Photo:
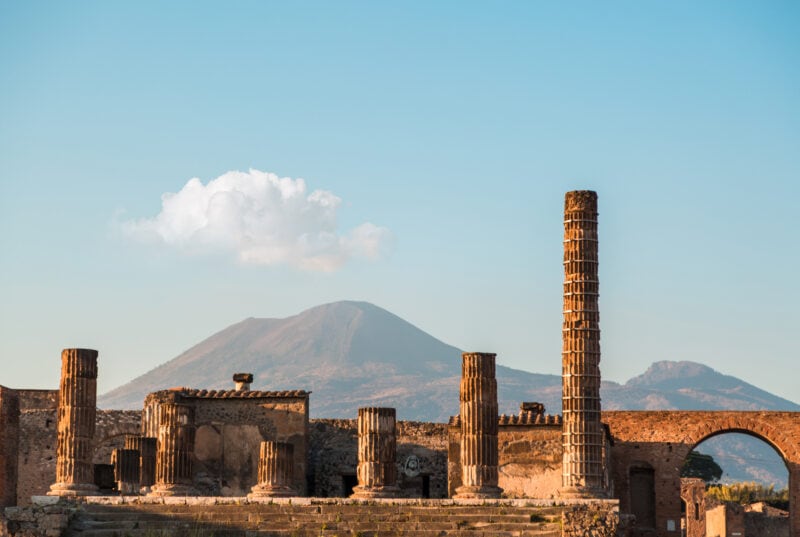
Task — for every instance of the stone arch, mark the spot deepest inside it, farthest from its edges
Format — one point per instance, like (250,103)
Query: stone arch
(721,423)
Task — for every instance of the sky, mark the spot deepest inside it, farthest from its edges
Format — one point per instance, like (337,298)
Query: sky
(169,169)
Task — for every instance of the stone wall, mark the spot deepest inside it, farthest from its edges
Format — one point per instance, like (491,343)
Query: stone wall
(529,456)
(37,454)
(421,458)
(36,463)
(230,427)
(37,399)
(9,445)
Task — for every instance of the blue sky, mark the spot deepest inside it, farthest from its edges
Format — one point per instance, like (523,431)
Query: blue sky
(452,128)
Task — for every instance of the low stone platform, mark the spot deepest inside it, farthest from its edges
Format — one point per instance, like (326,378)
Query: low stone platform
(131,516)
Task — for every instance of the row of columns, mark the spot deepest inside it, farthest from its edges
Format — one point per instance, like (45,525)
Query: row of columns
(163,466)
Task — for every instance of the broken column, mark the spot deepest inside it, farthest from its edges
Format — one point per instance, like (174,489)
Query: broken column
(275,470)
(478,410)
(146,446)
(175,450)
(126,470)
(377,453)
(582,468)
(77,399)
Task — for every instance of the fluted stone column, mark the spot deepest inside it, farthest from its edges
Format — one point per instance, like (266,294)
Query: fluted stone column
(126,470)
(175,450)
(478,409)
(377,453)
(77,400)
(275,470)
(146,446)
(582,469)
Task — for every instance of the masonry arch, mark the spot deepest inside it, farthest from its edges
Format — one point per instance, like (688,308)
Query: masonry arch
(664,439)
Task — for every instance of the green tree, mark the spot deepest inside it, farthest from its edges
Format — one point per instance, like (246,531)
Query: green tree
(702,466)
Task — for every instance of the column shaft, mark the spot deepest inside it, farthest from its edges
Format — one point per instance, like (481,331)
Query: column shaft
(77,400)
(582,470)
(377,453)
(175,450)
(146,446)
(275,470)
(478,413)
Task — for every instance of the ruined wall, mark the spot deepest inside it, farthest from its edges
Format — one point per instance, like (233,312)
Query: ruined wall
(693,494)
(37,454)
(765,521)
(230,427)
(661,440)
(725,520)
(530,456)
(37,399)
(421,458)
(9,444)
(111,428)
(36,464)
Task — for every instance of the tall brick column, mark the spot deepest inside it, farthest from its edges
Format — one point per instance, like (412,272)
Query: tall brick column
(275,470)
(126,470)
(377,453)
(77,400)
(478,396)
(582,466)
(146,446)
(175,450)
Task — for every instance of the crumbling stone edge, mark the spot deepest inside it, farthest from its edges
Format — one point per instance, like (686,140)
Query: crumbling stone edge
(47,518)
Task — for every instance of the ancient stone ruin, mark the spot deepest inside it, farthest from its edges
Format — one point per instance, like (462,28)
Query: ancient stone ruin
(478,412)
(76,421)
(377,454)
(257,458)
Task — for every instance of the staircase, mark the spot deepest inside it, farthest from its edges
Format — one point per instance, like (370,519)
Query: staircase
(305,517)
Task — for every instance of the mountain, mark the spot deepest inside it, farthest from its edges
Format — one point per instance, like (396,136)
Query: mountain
(671,385)
(352,354)
(349,354)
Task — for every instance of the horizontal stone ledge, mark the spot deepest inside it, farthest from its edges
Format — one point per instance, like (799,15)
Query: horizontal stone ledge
(307,501)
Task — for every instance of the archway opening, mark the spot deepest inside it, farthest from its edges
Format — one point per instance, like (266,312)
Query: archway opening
(734,482)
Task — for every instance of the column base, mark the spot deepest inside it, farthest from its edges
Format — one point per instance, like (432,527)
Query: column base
(73,489)
(172,489)
(582,493)
(367,493)
(481,493)
(272,491)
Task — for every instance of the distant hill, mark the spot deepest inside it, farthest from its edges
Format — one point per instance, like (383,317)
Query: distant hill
(352,354)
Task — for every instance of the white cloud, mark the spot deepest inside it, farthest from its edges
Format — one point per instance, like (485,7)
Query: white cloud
(262,219)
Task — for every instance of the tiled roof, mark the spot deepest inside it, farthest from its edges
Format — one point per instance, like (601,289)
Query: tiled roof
(241,394)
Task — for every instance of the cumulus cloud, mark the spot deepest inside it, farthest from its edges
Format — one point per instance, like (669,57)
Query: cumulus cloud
(262,219)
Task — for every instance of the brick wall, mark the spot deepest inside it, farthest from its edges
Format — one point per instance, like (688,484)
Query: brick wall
(421,450)
(9,442)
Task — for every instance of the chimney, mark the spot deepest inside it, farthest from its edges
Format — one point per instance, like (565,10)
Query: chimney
(243,381)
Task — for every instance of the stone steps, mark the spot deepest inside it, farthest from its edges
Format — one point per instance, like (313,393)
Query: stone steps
(343,519)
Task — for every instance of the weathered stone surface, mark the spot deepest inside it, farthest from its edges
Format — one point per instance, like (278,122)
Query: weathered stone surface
(146,446)
(126,470)
(478,420)
(377,453)
(230,428)
(174,451)
(582,465)
(77,405)
(275,470)
(9,445)
(597,520)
